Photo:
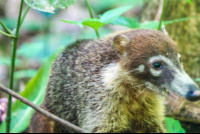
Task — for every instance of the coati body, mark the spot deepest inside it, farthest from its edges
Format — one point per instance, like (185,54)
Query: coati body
(115,84)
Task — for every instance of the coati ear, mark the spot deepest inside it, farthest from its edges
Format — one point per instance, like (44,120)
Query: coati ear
(120,43)
(164,30)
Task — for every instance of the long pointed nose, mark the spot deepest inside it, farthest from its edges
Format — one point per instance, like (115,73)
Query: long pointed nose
(194,93)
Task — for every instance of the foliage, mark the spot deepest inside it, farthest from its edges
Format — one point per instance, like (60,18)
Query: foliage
(124,21)
(34,92)
(113,17)
(173,126)
(49,5)
(189,1)
(6,61)
(42,46)
(155,24)
(197,79)
(25,74)
(105,18)
(112,3)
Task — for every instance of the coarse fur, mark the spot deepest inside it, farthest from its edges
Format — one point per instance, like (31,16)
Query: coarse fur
(102,87)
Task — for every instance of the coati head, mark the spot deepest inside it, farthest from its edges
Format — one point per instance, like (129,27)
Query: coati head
(152,57)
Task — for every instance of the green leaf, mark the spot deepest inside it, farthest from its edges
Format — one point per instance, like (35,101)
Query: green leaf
(25,74)
(155,24)
(113,3)
(110,15)
(197,79)
(62,4)
(149,25)
(28,25)
(123,21)
(24,49)
(176,20)
(189,1)
(79,23)
(173,126)
(49,5)
(34,92)
(94,23)
(6,61)
(90,22)
(106,18)
(42,46)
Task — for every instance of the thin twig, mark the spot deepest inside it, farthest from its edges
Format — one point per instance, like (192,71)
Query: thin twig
(9,35)
(5,28)
(89,9)
(26,11)
(162,16)
(42,111)
(14,47)
(91,16)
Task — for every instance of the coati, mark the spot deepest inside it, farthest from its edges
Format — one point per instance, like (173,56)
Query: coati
(115,84)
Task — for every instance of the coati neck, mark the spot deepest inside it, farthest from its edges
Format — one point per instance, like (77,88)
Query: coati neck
(129,101)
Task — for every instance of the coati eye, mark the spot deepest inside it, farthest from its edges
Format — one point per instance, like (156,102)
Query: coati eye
(157,65)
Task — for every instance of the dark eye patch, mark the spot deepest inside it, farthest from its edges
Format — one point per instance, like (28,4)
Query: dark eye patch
(167,76)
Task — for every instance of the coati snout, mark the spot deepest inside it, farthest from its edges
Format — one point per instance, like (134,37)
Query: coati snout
(154,59)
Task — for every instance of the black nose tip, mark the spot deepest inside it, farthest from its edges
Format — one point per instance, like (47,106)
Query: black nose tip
(193,94)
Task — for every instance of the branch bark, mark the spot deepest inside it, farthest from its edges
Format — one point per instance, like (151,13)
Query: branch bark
(42,111)
(190,112)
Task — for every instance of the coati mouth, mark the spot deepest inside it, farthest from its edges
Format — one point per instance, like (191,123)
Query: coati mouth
(170,94)
(173,102)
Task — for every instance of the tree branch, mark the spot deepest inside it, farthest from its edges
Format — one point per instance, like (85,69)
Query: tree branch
(24,15)
(42,111)
(190,112)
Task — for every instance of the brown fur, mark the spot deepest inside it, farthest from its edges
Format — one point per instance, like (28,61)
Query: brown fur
(41,124)
(93,84)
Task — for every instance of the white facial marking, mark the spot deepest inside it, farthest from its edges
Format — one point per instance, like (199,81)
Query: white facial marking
(110,73)
(113,75)
(155,73)
(140,68)
(161,58)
